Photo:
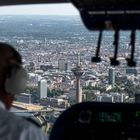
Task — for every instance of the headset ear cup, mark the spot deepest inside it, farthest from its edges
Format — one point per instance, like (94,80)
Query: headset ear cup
(17,81)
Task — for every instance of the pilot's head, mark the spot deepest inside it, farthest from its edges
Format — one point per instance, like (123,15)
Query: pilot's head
(12,76)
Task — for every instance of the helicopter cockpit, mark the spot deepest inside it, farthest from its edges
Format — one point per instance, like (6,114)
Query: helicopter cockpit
(95,120)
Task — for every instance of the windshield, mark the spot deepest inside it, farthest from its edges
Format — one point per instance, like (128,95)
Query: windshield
(57,50)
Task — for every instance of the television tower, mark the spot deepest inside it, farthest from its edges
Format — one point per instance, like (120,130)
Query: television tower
(78,72)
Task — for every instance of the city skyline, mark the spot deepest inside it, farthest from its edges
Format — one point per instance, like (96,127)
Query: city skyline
(45,40)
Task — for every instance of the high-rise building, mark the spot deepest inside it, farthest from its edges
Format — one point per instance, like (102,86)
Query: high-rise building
(111,76)
(131,71)
(42,88)
(63,65)
(78,72)
(67,66)
(137,98)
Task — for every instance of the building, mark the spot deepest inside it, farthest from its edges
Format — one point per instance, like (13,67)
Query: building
(112,97)
(111,76)
(42,88)
(63,65)
(72,95)
(118,98)
(107,98)
(24,97)
(54,102)
(131,71)
(99,98)
(137,98)
(30,67)
(45,67)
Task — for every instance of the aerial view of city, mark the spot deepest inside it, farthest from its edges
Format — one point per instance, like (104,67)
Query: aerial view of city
(57,52)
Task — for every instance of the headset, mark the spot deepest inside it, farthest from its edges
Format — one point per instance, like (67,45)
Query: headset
(16,80)
(15,76)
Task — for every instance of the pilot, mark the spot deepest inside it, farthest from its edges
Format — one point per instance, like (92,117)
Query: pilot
(13,79)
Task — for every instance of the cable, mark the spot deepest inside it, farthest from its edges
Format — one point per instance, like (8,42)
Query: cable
(97,58)
(130,61)
(114,60)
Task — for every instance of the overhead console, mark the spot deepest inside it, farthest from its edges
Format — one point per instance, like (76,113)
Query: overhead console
(109,14)
(100,15)
(96,121)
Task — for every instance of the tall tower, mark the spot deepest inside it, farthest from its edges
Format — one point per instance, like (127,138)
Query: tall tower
(111,77)
(78,71)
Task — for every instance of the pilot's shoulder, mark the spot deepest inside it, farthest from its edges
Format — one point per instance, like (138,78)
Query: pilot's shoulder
(22,122)
(32,121)
(27,125)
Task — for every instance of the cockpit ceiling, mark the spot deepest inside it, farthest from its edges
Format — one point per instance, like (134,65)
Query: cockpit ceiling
(19,2)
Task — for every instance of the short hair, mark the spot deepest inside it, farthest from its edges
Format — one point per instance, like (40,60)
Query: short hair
(8,52)
(15,53)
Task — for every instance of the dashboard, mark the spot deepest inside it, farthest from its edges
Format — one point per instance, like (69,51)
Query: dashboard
(95,121)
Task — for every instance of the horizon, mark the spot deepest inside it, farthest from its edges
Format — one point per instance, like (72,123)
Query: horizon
(40,15)
(40,9)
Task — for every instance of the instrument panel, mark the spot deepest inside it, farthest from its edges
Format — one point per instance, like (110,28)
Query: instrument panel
(95,121)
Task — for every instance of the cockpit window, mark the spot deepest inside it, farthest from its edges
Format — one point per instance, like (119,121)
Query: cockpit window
(57,50)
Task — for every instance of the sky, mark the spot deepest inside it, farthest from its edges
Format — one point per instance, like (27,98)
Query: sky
(40,9)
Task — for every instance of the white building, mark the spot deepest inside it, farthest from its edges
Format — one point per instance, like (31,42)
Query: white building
(42,88)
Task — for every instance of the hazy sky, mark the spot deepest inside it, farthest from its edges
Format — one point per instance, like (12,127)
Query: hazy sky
(42,9)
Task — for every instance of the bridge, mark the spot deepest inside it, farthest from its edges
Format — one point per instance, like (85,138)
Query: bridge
(24,106)
(31,108)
